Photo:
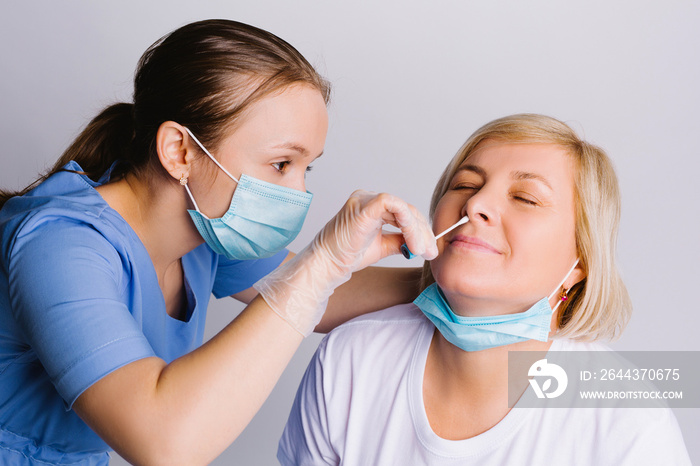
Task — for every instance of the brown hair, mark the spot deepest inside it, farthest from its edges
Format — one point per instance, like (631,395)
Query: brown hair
(204,76)
(598,306)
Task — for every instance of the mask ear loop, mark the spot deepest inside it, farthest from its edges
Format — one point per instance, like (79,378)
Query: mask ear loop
(183,179)
(201,146)
(559,286)
(183,182)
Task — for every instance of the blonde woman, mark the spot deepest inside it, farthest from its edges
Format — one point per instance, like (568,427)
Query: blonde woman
(427,383)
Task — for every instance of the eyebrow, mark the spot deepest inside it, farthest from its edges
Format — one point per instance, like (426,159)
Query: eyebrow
(472,168)
(517,175)
(531,176)
(296,148)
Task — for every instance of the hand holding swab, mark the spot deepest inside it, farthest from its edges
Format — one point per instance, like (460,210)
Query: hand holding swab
(409,255)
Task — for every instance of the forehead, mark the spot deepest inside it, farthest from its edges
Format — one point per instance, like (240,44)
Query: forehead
(294,118)
(495,157)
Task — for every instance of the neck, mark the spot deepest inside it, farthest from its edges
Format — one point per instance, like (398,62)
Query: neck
(492,306)
(466,393)
(475,374)
(157,212)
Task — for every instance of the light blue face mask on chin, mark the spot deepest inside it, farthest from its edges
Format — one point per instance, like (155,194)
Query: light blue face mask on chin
(480,333)
(262,219)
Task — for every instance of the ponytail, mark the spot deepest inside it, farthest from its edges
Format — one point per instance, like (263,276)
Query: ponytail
(106,139)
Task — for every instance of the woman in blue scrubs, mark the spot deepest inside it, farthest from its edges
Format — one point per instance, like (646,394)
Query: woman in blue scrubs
(108,262)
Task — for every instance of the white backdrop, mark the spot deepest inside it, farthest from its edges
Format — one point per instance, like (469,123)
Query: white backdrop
(411,81)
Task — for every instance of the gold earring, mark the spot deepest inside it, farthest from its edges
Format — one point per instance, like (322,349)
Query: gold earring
(183,180)
(563,296)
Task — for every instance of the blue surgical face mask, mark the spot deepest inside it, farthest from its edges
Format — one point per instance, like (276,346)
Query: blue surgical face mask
(262,219)
(480,333)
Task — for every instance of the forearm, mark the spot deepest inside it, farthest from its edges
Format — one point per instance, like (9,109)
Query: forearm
(189,411)
(369,290)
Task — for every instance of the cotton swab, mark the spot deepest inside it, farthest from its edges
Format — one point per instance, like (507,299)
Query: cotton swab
(409,255)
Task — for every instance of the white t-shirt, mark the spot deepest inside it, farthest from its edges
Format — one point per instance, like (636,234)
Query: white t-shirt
(360,403)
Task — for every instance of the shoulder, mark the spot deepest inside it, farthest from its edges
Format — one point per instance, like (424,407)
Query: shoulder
(645,430)
(64,190)
(58,240)
(403,319)
(382,336)
(64,209)
(65,231)
(621,436)
(639,436)
(63,201)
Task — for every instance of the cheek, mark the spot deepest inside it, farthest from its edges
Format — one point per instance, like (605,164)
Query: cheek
(223,191)
(531,236)
(542,245)
(439,271)
(440,267)
(440,224)
(447,212)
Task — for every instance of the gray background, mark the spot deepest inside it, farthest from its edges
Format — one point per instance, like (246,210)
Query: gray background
(411,81)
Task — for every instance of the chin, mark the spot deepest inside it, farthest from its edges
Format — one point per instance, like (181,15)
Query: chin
(460,284)
(460,277)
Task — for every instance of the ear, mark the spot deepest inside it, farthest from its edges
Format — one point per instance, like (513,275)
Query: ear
(173,151)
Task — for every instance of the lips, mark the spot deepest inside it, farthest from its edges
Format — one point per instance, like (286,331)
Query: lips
(473,243)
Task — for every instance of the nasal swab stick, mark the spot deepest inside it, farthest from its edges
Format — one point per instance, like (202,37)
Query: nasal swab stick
(461,221)
(409,255)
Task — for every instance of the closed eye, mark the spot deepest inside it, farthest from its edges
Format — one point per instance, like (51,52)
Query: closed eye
(462,187)
(525,200)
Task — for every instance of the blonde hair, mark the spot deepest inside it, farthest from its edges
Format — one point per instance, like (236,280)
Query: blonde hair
(599,306)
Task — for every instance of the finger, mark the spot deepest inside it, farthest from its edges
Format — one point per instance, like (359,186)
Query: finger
(361,197)
(416,231)
(391,244)
(391,210)
(418,235)
(380,209)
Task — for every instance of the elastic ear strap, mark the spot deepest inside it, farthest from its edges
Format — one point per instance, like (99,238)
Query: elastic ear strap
(562,282)
(210,156)
(189,193)
(556,306)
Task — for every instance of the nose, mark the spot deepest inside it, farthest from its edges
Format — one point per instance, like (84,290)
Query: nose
(301,185)
(481,207)
(298,183)
(293,180)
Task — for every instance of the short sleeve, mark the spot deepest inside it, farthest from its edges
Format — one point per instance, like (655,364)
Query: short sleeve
(233,276)
(66,290)
(306,438)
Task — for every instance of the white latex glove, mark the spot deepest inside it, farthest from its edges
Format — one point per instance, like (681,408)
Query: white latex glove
(298,290)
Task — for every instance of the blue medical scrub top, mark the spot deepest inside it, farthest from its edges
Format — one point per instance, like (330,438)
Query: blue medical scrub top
(79,298)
